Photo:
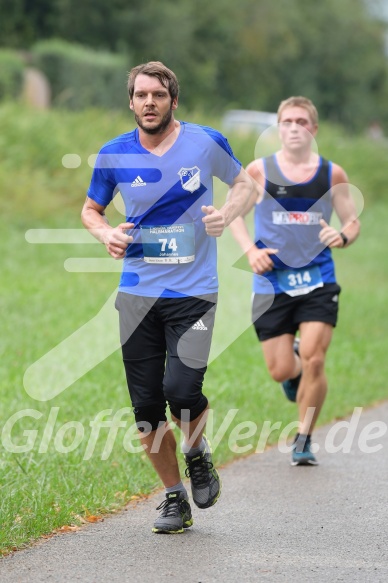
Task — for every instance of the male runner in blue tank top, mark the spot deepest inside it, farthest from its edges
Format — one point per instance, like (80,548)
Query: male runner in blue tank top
(167,296)
(294,286)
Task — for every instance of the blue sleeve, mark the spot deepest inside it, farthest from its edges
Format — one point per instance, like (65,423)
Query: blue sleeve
(225,165)
(102,184)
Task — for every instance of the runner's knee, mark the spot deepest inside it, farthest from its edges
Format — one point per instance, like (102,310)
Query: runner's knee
(182,390)
(178,408)
(150,417)
(314,365)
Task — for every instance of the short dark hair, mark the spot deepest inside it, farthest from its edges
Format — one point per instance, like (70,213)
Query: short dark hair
(154,69)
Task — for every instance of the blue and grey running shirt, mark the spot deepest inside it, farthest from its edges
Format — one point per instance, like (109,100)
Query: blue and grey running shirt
(287,219)
(171,254)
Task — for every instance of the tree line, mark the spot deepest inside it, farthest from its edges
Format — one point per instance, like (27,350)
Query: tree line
(250,54)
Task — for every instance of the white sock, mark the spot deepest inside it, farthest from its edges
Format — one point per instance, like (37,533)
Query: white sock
(177,488)
(192,451)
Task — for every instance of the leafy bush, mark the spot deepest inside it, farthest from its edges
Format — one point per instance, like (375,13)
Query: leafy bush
(81,77)
(11,74)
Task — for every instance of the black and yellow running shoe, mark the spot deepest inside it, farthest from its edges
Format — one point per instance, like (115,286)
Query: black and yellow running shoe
(204,478)
(175,514)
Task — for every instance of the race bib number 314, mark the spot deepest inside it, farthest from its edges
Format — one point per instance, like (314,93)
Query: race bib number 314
(297,282)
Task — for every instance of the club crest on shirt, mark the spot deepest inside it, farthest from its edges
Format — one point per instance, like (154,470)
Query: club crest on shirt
(190,178)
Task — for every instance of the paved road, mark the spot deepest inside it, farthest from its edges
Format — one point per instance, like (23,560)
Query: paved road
(273,523)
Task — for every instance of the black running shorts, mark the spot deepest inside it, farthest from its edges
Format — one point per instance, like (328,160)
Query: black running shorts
(165,346)
(286,312)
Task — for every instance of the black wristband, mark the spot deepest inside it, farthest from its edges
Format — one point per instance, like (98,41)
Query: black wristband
(344,239)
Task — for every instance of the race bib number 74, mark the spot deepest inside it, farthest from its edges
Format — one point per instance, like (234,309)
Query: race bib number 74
(168,243)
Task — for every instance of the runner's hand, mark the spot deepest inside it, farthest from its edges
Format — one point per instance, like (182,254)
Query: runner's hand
(260,260)
(329,236)
(214,221)
(116,240)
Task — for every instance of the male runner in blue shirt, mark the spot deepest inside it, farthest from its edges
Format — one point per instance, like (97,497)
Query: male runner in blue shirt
(168,290)
(294,283)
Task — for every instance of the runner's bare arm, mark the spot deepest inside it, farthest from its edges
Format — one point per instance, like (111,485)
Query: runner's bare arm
(344,207)
(115,239)
(259,259)
(238,195)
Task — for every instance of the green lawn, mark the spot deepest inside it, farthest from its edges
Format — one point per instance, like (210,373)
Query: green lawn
(55,467)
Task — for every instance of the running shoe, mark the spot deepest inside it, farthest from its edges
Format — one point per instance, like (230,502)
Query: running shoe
(175,514)
(290,387)
(301,452)
(204,478)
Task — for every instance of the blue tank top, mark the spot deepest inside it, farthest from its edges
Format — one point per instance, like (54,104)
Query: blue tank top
(287,218)
(171,254)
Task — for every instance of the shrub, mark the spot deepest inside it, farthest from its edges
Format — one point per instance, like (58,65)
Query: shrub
(11,74)
(81,77)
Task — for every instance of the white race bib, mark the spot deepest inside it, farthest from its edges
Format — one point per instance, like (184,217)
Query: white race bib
(168,243)
(297,282)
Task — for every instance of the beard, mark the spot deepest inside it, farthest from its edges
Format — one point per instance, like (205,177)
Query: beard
(159,129)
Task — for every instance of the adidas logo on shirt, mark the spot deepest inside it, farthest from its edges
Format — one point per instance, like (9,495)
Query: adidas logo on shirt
(199,326)
(138,182)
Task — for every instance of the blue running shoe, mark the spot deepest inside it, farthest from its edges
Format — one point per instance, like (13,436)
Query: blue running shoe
(301,452)
(290,386)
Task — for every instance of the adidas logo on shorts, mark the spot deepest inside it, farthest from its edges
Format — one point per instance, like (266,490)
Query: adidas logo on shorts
(199,326)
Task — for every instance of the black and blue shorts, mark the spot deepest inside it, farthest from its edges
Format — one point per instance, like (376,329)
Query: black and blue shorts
(286,313)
